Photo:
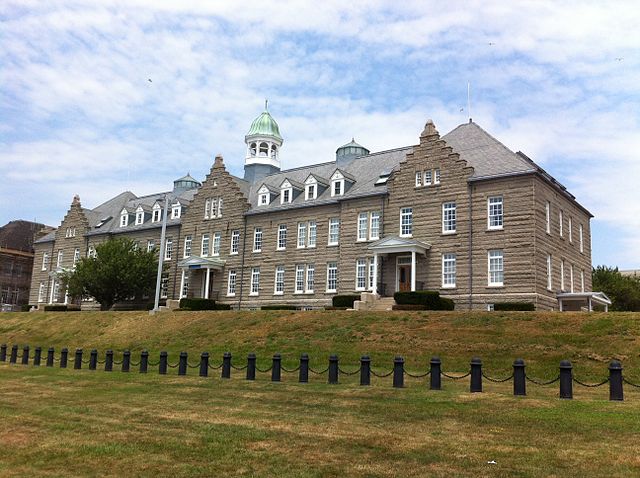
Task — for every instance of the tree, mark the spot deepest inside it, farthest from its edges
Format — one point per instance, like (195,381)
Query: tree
(624,291)
(119,271)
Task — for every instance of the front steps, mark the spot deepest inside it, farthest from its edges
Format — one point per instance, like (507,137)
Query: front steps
(369,301)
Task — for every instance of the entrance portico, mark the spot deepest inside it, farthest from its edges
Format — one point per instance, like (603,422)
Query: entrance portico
(203,264)
(406,266)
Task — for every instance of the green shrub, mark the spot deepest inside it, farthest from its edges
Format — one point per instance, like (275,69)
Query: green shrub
(446,304)
(279,307)
(523,306)
(428,298)
(58,308)
(345,300)
(198,304)
(26,307)
(222,307)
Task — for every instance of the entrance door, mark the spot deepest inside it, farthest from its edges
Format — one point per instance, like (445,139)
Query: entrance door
(404,278)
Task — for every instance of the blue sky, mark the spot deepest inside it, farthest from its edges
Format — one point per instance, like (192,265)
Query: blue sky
(556,80)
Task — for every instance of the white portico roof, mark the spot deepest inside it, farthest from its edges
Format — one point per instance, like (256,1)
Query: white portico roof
(598,297)
(394,244)
(196,262)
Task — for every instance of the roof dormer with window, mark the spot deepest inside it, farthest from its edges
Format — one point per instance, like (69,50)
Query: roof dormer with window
(139,215)
(176,210)
(340,183)
(124,217)
(265,195)
(314,186)
(156,212)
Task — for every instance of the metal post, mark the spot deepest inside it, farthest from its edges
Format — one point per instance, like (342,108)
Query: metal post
(566,380)
(37,357)
(365,370)
(251,367)
(303,377)
(93,360)
(14,354)
(398,372)
(519,381)
(126,360)
(333,369)
(64,355)
(615,381)
(164,358)
(25,355)
(435,376)
(226,365)
(144,361)
(182,368)
(77,364)
(50,354)
(3,353)
(163,234)
(275,371)
(204,364)
(476,375)
(108,361)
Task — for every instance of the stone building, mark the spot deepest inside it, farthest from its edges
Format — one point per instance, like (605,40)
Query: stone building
(461,214)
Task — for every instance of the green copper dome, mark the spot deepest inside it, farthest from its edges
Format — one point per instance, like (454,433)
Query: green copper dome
(265,125)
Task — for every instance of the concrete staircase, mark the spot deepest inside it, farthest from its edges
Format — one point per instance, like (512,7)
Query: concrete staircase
(383,303)
(370,301)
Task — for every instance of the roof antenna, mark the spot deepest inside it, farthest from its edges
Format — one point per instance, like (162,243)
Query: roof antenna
(469,100)
(266,102)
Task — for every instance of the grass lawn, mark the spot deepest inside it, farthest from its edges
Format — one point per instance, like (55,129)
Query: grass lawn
(56,422)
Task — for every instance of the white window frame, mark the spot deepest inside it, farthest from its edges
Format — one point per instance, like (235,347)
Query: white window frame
(91,252)
(45,261)
(207,206)
(374,230)
(299,279)
(219,208)
(334,231)
(188,242)
(332,276)
(337,179)
(139,216)
(581,238)
(257,239)
(427,177)
(312,234)
(76,256)
(164,285)
(263,199)
(562,284)
(571,289)
(363,227)
(156,213)
(561,221)
(310,191)
(493,256)
(151,245)
(205,240)
(60,258)
(217,242)
(549,273)
(495,213)
(436,176)
(449,217)
(361,274)
(406,213)
(570,225)
(310,279)
(281,243)
(449,265)
(582,280)
(176,211)
(286,189)
(255,281)
(235,242)
(168,249)
(302,235)
(278,281)
(41,292)
(231,283)
(124,219)
(547,209)
(418,179)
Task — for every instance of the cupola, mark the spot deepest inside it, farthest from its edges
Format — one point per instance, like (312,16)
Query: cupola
(350,151)
(263,147)
(185,183)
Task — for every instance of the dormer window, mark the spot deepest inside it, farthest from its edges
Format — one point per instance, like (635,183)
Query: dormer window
(338,183)
(286,192)
(176,211)
(124,218)
(139,215)
(156,215)
(310,192)
(264,195)
(264,199)
(286,196)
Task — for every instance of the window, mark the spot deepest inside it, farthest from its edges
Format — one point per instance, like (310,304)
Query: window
(257,239)
(41,290)
(547,209)
(448,270)
(185,284)
(253,149)
(571,278)
(570,229)
(494,212)
(264,199)
(150,245)
(60,257)
(449,217)
(427,178)
(164,285)
(76,256)
(205,245)
(302,234)
(310,191)
(372,272)
(124,219)
(418,179)
(216,244)
(337,184)
(176,210)
(45,261)
(496,268)
(313,233)
(264,149)
(582,280)
(334,231)
(311,278)
(562,275)
(255,281)
(491,307)
(332,276)
(207,206)
(279,281)
(363,223)
(286,193)
(92,251)
(436,176)
(549,276)
(580,237)
(374,228)
(561,221)
(282,237)
(213,208)
(139,217)
(299,279)
(156,214)
(220,207)
(361,274)
(235,241)
(187,246)
(168,249)
(406,222)
(231,283)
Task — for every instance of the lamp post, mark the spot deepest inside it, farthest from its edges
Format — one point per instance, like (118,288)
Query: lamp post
(156,306)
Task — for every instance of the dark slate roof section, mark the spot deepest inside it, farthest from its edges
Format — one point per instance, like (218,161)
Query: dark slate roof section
(488,156)
(19,235)
(244,185)
(365,169)
(48,238)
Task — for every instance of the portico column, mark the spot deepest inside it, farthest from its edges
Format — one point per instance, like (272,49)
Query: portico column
(206,284)
(375,273)
(181,284)
(590,305)
(53,288)
(413,271)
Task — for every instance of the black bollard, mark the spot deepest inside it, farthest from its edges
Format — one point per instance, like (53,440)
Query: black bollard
(275,370)
(204,364)
(365,370)
(162,366)
(398,372)
(303,376)
(251,367)
(93,359)
(108,361)
(3,353)
(519,380)
(64,356)
(476,375)
(615,381)
(435,376)
(25,355)
(144,361)
(182,367)
(226,365)
(37,358)
(566,380)
(333,369)
(50,354)
(77,364)
(126,360)
(14,354)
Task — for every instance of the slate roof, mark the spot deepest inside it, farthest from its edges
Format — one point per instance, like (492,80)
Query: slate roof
(19,235)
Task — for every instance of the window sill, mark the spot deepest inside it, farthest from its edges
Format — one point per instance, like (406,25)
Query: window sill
(449,233)
(254,294)
(446,287)
(278,293)
(278,249)
(407,236)
(331,291)
(233,253)
(495,286)
(328,245)
(231,295)
(298,292)
(309,292)
(491,229)
(256,252)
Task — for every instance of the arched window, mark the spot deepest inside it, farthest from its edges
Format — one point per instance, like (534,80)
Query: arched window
(252,149)
(274,151)
(264,149)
